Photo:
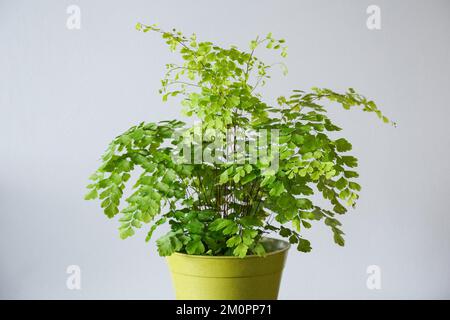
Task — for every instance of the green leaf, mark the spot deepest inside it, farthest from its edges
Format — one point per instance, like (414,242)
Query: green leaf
(332,222)
(219,224)
(339,239)
(231,228)
(233,101)
(341,183)
(340,209)
(111,210)
(304,204)
(285,232)
(344,194)
(126,232)
(293,239)
(153,228)
(304,245)
(350,161)
(248,178)
(125,139)
(194,226)
(241,250)
(351,174)
(91,195)
(248,235)
(169,244)
(259,250)
(306,224)
(195,247)
(234,241)
(296,223)
(250,221)
(268,180)
(223,177)
(342,145)
(354,186)
(277,189)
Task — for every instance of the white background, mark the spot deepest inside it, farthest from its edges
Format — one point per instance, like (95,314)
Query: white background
(64,94)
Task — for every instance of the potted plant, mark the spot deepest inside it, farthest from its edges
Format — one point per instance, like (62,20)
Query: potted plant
(247,170)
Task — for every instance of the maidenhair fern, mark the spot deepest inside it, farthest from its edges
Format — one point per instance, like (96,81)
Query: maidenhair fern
(226,207)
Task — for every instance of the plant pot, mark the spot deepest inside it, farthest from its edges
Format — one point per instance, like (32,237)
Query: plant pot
(228,277)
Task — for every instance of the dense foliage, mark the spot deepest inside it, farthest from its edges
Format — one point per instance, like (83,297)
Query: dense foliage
(226,208)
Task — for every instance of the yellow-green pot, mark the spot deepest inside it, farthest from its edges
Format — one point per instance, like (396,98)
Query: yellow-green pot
(229,278)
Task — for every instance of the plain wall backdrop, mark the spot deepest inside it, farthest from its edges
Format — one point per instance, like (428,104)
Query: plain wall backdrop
(64,94)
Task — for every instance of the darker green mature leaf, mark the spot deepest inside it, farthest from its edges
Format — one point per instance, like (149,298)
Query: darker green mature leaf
(206,215)
(340,209)
(248,178)
(195,247)
(304,204)
(220,224)
(304,245)
(285,232)
(354,186)
(330,126)
(195,226)
(251,221)
(350,161)
(306,224)
(341,183)
(293,239)
(339,239)
(342,145)
(305,190)
(351,174)
(332,222)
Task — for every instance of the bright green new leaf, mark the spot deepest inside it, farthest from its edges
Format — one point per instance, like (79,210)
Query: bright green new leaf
(241,250)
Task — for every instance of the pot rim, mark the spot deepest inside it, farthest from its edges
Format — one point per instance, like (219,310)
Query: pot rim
(198,256)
